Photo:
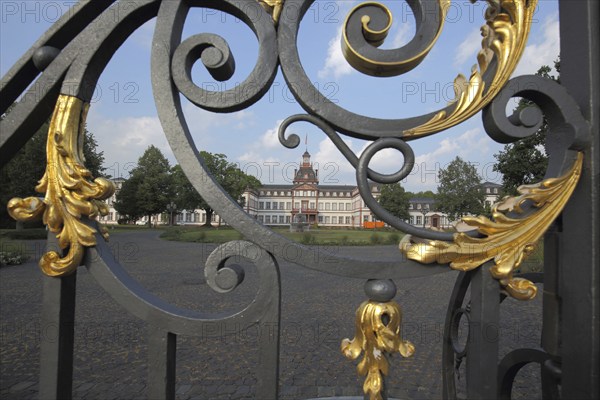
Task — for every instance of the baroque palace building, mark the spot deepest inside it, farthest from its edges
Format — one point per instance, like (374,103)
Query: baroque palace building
(307,201)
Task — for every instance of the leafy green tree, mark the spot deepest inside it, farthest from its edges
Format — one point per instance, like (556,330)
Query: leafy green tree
(395,199)
(426,194)
(227,174)
(19,177)
(459,191)
(126,202)
(525,161)
(149,189)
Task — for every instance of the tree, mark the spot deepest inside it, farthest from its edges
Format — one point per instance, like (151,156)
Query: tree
(19,177)
(394,199)
(525,161)
(126,202)
(459,192)
(227,174)
(149,189)
(426,194)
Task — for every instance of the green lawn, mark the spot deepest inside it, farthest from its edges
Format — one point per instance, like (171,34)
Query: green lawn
(346,237)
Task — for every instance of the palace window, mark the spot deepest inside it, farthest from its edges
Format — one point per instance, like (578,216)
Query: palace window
(261,205)
(334,207)
(327,206)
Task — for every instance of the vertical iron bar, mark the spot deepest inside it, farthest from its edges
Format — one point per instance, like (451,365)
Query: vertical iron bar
(267,387)
(482,347)
(580,257)
(551,296)
(162,347)
(57,336)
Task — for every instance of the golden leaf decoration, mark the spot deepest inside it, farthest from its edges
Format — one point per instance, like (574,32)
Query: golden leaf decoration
(507,239)
(69,194)
(273,7)
(505,33)
(376,338)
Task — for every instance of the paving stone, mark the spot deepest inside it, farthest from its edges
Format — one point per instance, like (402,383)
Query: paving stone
(318,311)
(21,386)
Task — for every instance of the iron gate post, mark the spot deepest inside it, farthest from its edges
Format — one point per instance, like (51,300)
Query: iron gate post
(580,240)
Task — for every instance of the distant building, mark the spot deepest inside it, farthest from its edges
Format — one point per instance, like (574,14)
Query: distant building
(492,193)
(322,205)
(325,205)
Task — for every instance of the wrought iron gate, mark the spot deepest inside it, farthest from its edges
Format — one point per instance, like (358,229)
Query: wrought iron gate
(68,60)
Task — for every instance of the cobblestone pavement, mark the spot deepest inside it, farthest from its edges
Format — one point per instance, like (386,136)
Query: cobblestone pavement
(317,312)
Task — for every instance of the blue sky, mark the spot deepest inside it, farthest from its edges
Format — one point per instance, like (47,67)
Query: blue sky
(124,120)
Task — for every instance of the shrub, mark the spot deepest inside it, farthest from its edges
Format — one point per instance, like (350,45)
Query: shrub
(307,238)
(12,258)
(393,238)
(376,238)
(201,237)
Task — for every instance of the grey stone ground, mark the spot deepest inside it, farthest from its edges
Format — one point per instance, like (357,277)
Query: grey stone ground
(317,312)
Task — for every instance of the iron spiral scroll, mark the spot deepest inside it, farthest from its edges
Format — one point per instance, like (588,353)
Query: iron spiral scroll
(69,59)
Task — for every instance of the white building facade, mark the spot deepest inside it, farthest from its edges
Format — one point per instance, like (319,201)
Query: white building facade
(330,206)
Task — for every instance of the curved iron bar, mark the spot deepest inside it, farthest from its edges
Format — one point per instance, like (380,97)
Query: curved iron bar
(568,131)
(315,103)
(136,299)
(449,357)
(165,317)
(168,33)
(361,164)
(72,69)
(512,363)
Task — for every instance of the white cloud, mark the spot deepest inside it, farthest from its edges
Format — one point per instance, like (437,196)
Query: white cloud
(124,140)
(402,36)
(336,65)
(472,145)
(542,51)
(467,50)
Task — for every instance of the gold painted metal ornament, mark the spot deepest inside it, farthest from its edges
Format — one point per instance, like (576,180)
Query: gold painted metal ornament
(507,239)
(376,38)
(375,338)
(505,33)
(273,7)
(69,194)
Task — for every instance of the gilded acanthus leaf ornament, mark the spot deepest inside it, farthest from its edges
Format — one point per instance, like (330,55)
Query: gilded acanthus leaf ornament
(273,7)
(507,239)
(505,34)
(377,333)
(69,193)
